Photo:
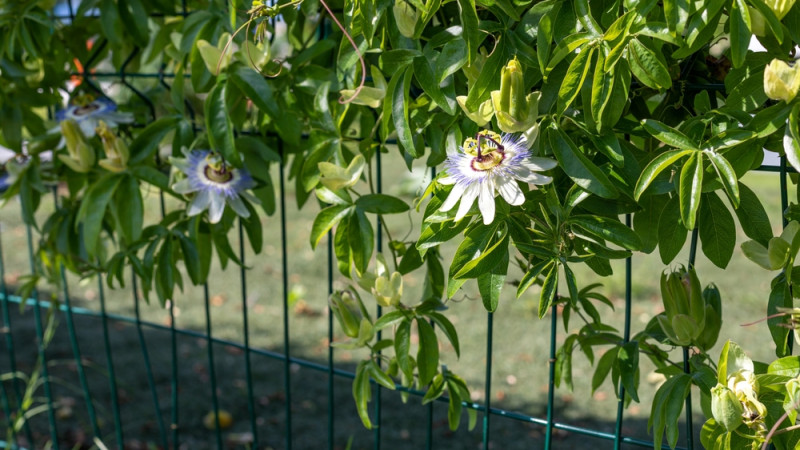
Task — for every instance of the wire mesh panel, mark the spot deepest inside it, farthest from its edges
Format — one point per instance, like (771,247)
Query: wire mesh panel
(246,359)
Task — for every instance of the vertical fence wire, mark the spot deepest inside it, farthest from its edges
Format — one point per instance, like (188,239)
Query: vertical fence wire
(212,372)
(285,280)
(40,337)
(251,407)
(551,384)
(73,341)
(686,357)
(331,375)
(148,367)
(379,310)
(487,389)
(785,221)
(626,337)
(10,350)
(112,377)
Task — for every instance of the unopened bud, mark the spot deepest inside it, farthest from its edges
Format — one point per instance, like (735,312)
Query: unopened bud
(388,291)
(725,407)
(781,81)
(347,311)
(780,7)
(81,155)
(117,153)
(515,107)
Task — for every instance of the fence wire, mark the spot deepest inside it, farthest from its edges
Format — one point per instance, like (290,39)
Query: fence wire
(168,432)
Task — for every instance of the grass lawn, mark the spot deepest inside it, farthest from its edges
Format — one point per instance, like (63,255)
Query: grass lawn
(520,351)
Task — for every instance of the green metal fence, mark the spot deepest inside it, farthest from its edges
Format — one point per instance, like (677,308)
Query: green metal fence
(102,412)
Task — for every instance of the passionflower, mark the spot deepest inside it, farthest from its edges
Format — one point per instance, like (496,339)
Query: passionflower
(490,164)
(213,183)
(87,111)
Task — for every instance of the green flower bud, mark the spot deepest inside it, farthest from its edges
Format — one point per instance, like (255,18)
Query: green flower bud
(334,177)
(725,407)
(388,291)
(347,311)
(781,81)
(480,116)
(713,318)
(81,155)
(116,151)
(516,108)
(684,306)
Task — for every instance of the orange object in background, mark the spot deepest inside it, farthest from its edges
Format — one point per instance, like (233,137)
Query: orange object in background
(76,80)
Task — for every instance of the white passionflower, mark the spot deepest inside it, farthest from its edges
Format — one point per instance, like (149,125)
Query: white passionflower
(213,184)
(489,164)
(88,111)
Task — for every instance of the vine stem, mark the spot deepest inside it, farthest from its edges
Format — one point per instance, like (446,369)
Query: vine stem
(774,430)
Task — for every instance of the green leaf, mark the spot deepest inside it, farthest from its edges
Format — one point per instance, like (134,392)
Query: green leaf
(129,209)
(578,167)
(602,87)
(191,258)
(549,288)
(428,353)
(740,32)
(470,28)
(402,347)
(110,23)
(671,231)
(752,216)
(488,259)
(325,220)
(256,88)
(490,283)
(93,210)
(668,135)
(603,368)
(791,138)
(134,18)
(489,77)
(219,126)
(646,222)
(449,330)
(608,229)
(717,230)
(576,75)
(726,175)
(647,67)
(380,376)
(628,362)
(779,297)
(381,204)
(532,275)
(362,240)
(400,102)
(430,84)
(146,143)
(690,188)
(362,392)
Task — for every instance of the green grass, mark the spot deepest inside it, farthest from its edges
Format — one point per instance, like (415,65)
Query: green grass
(520,349)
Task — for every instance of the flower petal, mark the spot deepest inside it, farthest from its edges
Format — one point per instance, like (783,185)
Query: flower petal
(452,199)
(199,203)
(87,126)
(539,164)
(238,206)
(467,200)
(486,202)
(216,208)
(446,180)
(510,191)
(183,187)
(537,178)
